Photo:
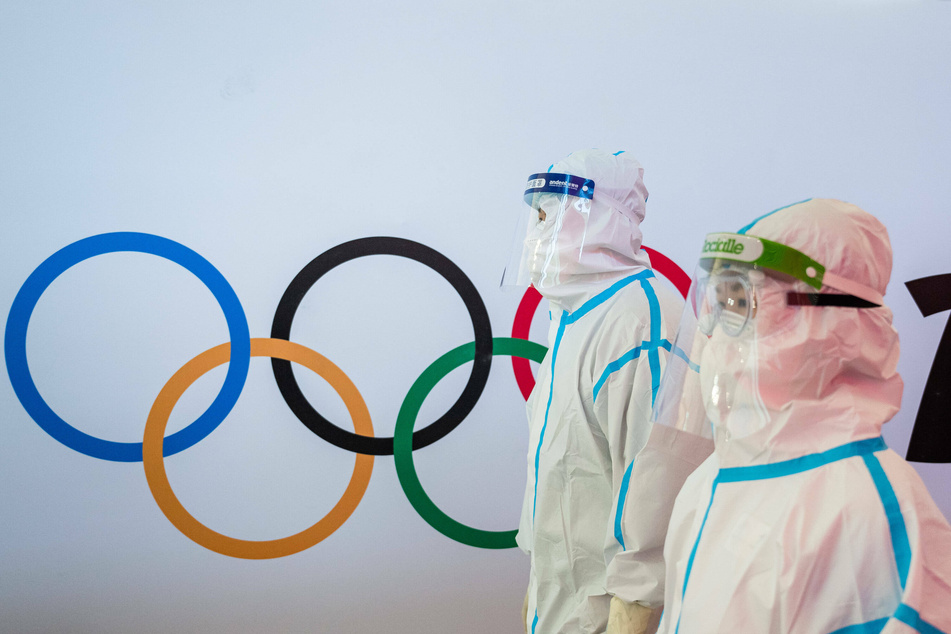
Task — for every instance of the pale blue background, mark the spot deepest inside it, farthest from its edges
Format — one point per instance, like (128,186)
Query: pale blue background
(262,133)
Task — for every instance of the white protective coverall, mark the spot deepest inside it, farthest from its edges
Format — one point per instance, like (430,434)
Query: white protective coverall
(810,524)
(611,323)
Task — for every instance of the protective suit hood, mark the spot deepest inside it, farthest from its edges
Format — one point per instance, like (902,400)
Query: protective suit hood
(831,379)
(609,246)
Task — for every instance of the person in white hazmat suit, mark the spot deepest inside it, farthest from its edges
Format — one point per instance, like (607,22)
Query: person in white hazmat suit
(611,323)
(802,520)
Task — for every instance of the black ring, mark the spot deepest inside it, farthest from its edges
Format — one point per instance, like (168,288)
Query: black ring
(308,276)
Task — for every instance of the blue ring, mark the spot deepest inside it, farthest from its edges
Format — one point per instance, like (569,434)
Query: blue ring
(38,281)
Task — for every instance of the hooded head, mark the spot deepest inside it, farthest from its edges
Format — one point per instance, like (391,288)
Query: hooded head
(785,347)
(818,376)
(576,246)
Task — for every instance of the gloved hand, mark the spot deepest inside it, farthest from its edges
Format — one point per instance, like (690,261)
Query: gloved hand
(628,618)
(525,613)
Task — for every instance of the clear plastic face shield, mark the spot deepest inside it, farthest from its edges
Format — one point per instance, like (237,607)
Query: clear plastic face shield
(742,316)
(551,233)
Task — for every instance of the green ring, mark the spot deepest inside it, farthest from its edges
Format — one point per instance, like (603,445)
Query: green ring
(403,440)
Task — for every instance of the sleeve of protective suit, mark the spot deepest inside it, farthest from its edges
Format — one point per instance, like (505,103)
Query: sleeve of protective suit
(644,488)
(622,407)
(642,496)
(642,512)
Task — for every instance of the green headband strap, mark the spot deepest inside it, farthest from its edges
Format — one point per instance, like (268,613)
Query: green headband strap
(781,258)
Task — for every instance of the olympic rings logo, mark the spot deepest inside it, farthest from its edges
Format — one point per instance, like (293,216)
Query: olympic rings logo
(155,446)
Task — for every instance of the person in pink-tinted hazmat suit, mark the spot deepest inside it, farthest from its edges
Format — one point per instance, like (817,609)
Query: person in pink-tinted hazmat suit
(802,520)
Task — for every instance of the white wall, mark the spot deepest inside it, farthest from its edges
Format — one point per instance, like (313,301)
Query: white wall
(261,134)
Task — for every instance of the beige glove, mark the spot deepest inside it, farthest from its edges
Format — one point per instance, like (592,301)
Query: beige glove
(525,613)
(628,618)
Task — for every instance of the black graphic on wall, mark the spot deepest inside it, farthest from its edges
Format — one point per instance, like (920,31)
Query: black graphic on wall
(931,437)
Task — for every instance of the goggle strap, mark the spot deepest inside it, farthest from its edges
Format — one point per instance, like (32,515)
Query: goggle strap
(827,299)
(852,288)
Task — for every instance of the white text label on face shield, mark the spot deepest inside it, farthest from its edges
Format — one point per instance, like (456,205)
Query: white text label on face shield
(567,184)
(732,246)
(537,183)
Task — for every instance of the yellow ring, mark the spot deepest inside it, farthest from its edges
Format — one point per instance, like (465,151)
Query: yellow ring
(154,462)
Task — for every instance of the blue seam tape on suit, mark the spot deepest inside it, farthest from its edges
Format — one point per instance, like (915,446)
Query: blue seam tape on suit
(872,627)
(909,616)
(625,482)
(653,354)
(804,463)
(896,523)
(614,366)
(693,553)
(904,614)
(679,352)
(750,226)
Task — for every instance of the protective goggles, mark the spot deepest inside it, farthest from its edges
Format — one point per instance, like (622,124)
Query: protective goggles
(729,288)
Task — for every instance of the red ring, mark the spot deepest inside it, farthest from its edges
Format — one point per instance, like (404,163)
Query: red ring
(520,329)
(671,270)
(532,298)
